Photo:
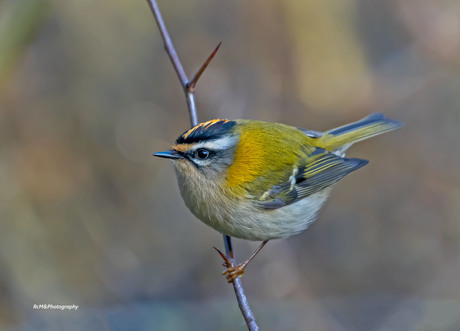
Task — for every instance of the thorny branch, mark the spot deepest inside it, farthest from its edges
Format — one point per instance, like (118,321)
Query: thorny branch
(189,89)
(169,47)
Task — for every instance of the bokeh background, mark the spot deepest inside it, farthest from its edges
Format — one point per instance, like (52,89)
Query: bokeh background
(89,217)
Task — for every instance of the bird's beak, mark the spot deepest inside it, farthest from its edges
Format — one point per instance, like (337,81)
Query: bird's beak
(171,154)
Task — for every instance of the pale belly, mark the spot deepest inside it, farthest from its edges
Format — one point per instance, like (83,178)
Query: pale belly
(253,223)
(247,220)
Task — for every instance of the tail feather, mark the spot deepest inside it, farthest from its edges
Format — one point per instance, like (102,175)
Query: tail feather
(370,126)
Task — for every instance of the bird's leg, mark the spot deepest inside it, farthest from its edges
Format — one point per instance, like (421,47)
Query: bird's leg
(233,271)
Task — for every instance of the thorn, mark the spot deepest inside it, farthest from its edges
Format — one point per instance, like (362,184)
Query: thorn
(227,262)
(191,84)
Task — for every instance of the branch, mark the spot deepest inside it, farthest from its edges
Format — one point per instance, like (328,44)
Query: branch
(191,85)
(169,47)
(239,291)
(189,89)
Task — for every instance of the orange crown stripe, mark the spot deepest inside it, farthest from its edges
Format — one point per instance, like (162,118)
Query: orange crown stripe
(203,125)
(181,147)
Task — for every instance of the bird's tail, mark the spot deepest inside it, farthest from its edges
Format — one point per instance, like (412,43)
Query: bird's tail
(344,136)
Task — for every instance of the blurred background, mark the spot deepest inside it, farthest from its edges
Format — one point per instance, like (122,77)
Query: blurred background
(89,217)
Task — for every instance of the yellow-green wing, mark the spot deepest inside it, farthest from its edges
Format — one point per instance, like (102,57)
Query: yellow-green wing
(313,174)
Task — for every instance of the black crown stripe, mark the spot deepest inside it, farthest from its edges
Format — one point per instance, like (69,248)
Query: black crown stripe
(206,131)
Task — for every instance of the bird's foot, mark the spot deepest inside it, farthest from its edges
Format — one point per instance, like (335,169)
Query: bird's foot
(233,271)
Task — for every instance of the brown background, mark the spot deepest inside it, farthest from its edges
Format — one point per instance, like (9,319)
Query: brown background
(88,217)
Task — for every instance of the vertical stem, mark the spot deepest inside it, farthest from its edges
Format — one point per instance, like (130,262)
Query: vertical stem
(239,291)
(190,96)
(169,47)
(189,88)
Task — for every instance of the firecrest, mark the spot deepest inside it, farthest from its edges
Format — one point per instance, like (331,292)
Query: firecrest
(261,181)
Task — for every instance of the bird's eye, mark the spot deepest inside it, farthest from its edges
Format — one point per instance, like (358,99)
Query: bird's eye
(202,154)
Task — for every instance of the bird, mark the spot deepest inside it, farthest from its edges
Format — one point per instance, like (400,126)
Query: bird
(261,181)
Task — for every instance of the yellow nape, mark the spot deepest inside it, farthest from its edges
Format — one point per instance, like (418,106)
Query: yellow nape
(249,159)
(264,148)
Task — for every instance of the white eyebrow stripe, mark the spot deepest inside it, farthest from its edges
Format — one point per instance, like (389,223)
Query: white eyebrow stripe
(217,144)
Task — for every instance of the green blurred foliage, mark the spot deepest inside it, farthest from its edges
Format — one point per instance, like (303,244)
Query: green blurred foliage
(19,22)
(88,217)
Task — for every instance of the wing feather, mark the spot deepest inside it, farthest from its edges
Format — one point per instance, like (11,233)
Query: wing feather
(314,173)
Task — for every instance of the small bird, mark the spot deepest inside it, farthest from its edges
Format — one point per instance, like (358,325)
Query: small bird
(261,181)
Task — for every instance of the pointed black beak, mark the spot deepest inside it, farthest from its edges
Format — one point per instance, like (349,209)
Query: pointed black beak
(171,154)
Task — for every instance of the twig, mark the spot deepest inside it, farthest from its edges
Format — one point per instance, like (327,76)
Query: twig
(189,89)
(169,47)
(239,291)
(191,85)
